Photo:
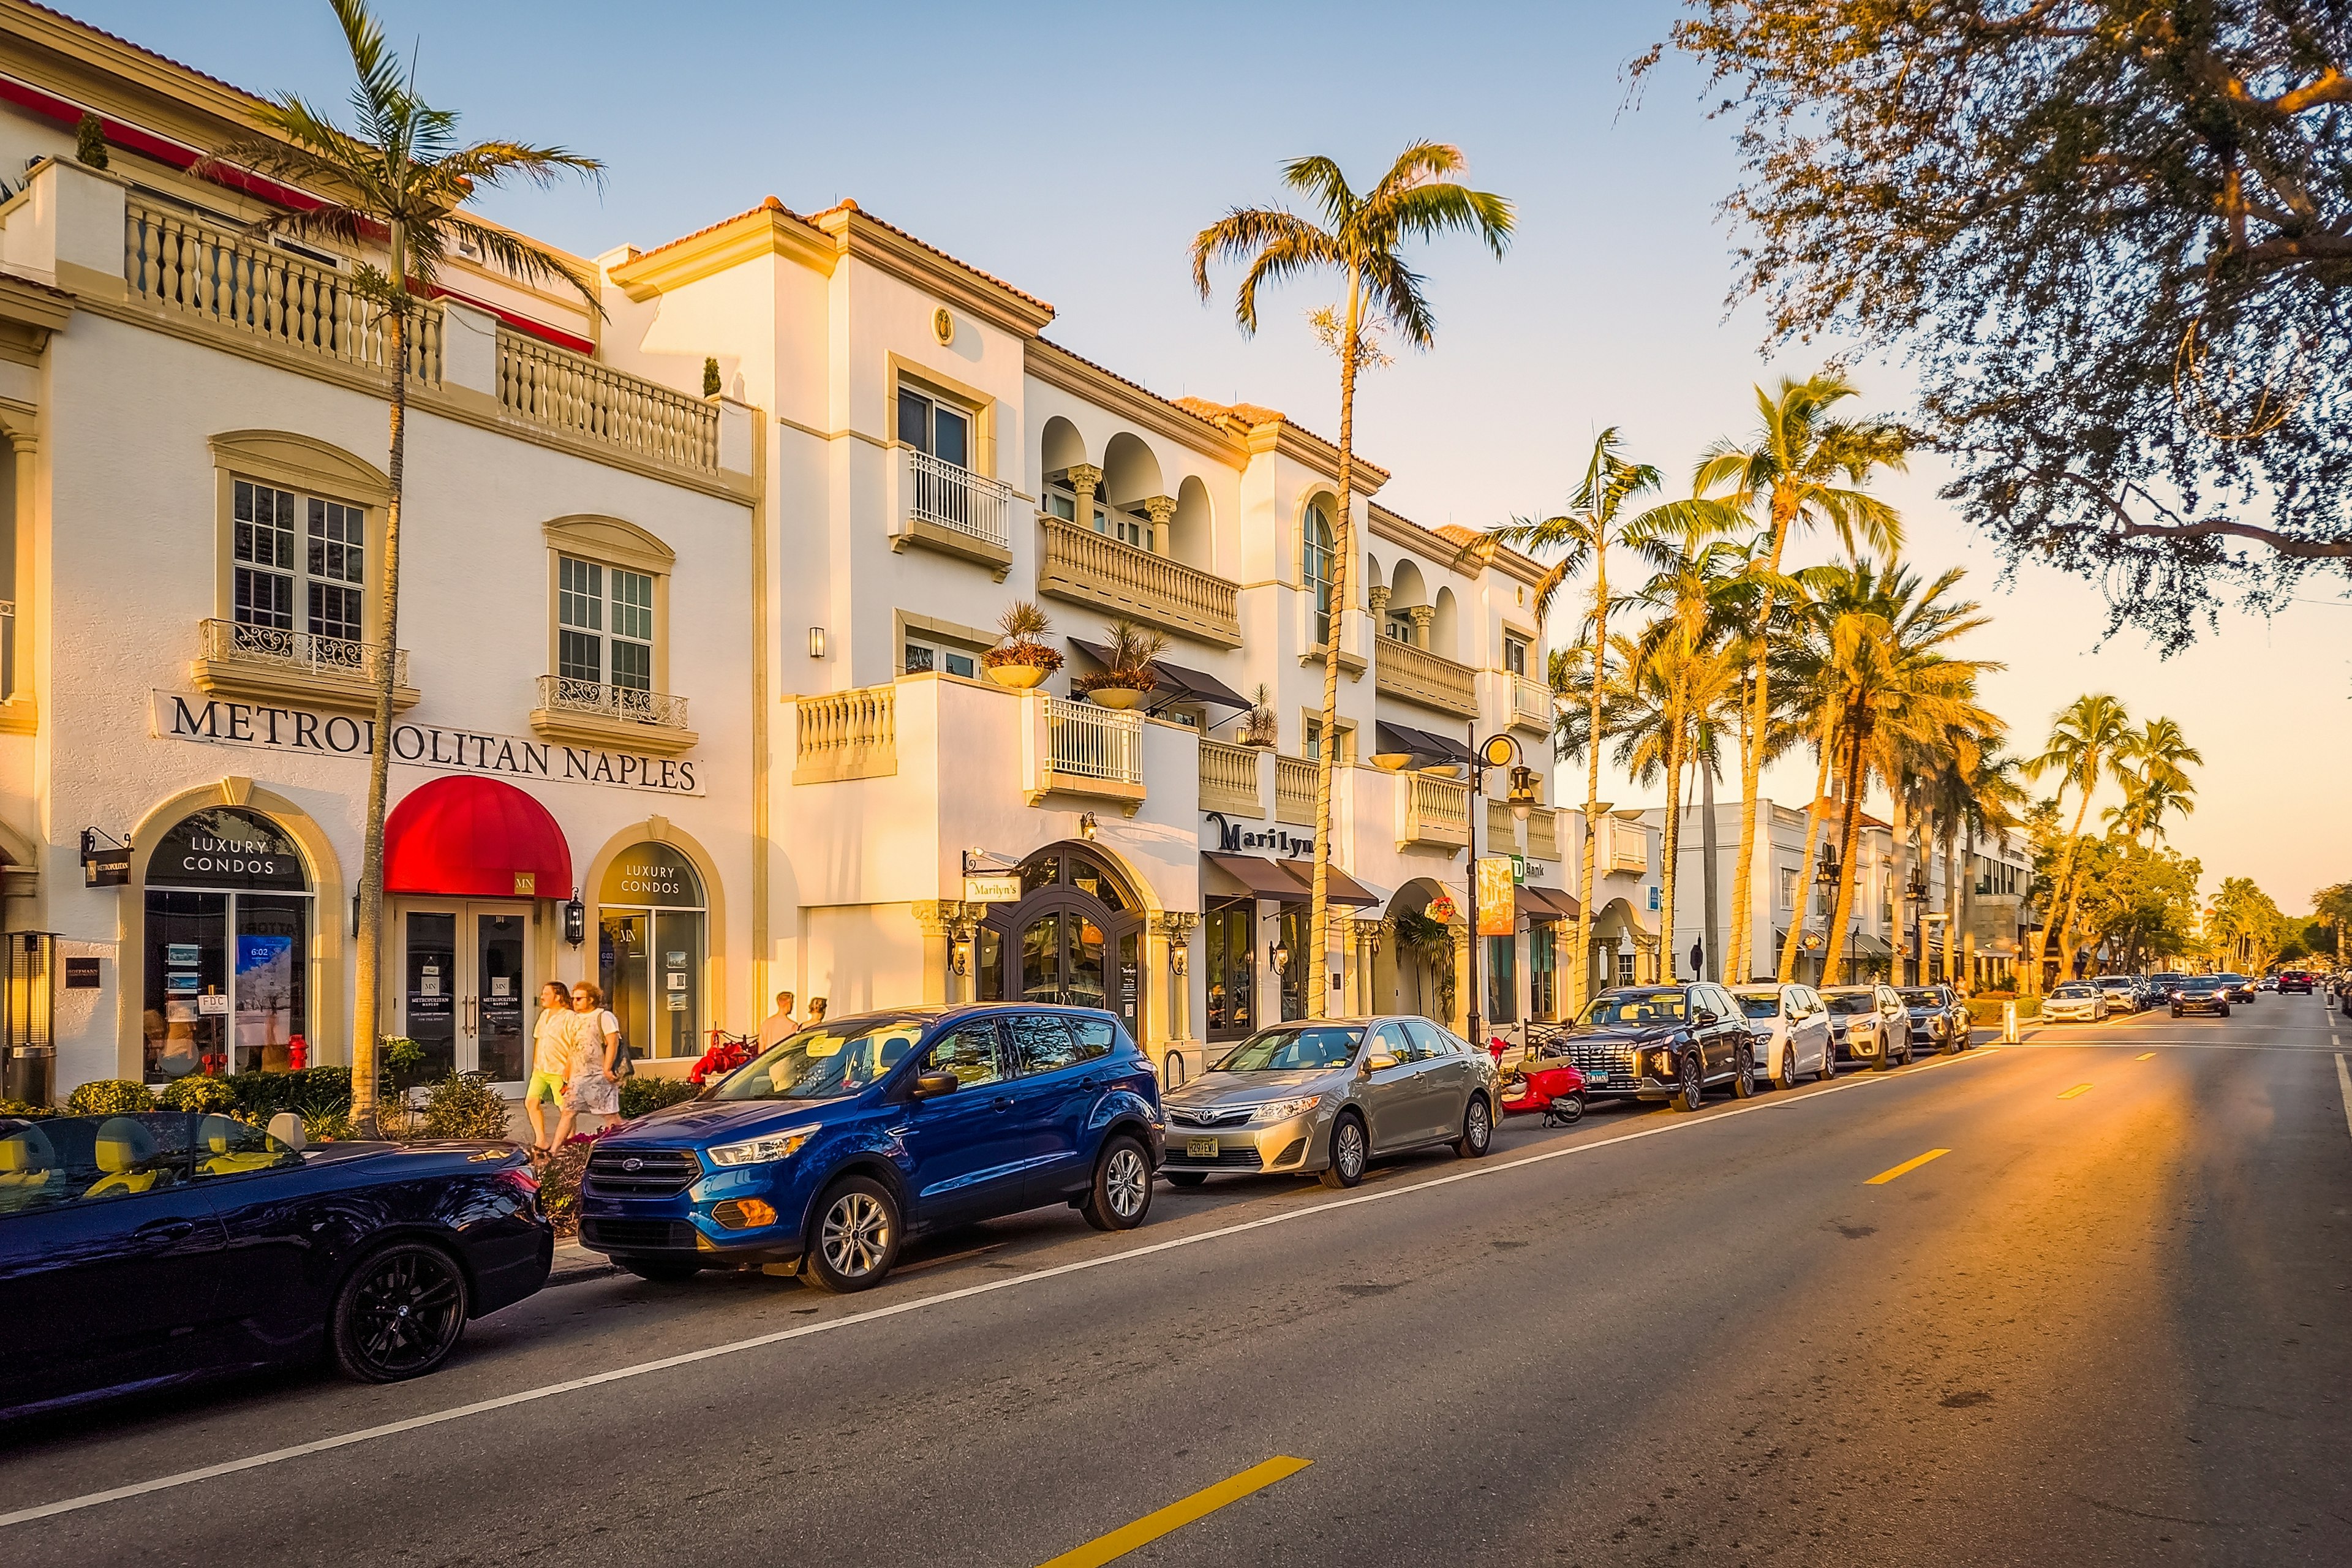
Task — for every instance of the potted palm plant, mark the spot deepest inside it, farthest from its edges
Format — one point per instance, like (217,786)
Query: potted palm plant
(1020,660)
(1261,728)
(1130,678)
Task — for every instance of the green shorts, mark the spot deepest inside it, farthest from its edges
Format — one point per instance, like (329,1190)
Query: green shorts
(544,1086)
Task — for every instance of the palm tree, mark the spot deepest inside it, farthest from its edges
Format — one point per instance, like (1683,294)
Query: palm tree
(1801,468)
(1595,521)
(1671,683)
(2087,739)
(398,180)
(2154,771)
(1362,238)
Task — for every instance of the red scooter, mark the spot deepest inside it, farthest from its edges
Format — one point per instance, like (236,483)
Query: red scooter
(1542,1080)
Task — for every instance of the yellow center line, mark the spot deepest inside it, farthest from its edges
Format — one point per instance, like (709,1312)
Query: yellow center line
(2078,1088)
(2143,1056)
(1177,1515)
(1907,1166)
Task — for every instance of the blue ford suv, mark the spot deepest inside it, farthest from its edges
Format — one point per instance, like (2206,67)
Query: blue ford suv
(829,1150)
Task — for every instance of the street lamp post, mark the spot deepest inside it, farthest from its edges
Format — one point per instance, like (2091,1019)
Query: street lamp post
(1826,876)
(1495,751)
(1915,899)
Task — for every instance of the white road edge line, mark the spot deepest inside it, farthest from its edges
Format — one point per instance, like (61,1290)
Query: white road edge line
(733,1347)
(2343,1083)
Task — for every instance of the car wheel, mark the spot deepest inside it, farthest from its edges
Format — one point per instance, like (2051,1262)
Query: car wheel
(400,1313)
(2225,1009)
(1743,1073)
(1121,1194)
(1186,1178)
(1906,1051)
(855,1242)
(1950,1044)
(2176,1012)
(1788,1079)
(1829,1062)
(1349,1149)
(661,1271)
(1478,1129)
(1690,1092)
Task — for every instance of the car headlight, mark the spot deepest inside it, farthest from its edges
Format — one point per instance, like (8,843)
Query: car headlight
(762,1151)
(1284,1110)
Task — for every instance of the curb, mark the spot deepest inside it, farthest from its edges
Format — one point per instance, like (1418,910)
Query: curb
(576,1265)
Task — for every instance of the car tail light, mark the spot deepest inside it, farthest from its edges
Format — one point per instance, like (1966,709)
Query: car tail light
(525,1185)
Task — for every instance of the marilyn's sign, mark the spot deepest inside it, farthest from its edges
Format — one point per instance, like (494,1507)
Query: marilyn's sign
(218,722)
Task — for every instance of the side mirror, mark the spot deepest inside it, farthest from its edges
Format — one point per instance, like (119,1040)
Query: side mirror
(1703,1017)
(1380,1061)
(931,1085)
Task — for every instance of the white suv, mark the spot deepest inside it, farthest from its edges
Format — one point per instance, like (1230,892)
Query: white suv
(1790,1026)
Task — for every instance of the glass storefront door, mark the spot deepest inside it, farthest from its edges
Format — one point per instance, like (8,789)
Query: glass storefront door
(651,933)
(227,963)
(1072,940)
(466,991)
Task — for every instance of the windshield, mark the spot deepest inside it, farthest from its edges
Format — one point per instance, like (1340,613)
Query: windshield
(824,1063)
(1854,1001)
(1296,1050)
(2201,983)
(2231,979)
(1634,1008)
(2113,981)
(1922,999)
(1765,1007)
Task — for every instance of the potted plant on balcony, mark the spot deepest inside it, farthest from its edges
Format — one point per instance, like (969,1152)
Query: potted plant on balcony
(1021,661)
(1261,728)
(1130,678)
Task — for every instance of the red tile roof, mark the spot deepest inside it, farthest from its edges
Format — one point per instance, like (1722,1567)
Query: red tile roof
(141,49)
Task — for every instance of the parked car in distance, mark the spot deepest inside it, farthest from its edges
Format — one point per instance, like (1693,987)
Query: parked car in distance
(1790,1025)
(1672,1043)
(2240,987)
(828,1151)
(146,1250)
(2123,994)
(2295,982)
(1870,1023)
(2201,994)
(1328,1098)
(2074,1002)
(1938,1017)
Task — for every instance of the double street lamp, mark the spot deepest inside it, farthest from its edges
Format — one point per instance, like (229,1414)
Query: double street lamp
(1495,751)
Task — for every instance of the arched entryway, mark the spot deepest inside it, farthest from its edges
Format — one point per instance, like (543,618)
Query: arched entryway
(1074,938)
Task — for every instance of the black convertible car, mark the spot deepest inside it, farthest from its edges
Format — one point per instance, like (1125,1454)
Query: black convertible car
(142,1251)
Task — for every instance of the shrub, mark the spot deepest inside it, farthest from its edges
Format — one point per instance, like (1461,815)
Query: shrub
(709,376)
(320,1092)
(110,1097)
(89,141)
(640,1095)
(24,1111)
(558,1180)
(201,1093)
(463,1105)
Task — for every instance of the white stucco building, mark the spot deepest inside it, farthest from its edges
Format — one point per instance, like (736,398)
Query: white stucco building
(708,662)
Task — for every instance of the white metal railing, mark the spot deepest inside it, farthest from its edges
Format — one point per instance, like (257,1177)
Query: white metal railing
(1532,699)
(951,497)
(299,653)
(563,694)
(249,286)
(562,391)
(1095,743)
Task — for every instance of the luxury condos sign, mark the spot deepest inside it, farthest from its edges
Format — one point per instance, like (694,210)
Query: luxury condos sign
(220,721)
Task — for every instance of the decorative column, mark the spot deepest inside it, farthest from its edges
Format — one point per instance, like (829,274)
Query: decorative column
(1369,935)
(1423,614)
(1163,512)
(1175,929)
(1084,479)
(937,919)
(1376,595)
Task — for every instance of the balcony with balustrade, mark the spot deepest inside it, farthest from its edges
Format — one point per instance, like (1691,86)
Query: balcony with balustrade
(1432,812)
(1415,675)
(847,735)
(1083,567)
(948,508)
(1230,781)
(268,664)
(1543,834)
(1077,748)
(1531,703)
(590,713)
(1294,790)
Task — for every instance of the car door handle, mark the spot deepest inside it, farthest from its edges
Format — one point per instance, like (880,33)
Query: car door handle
(1092,1080)
(166,1229)
(1002,1102)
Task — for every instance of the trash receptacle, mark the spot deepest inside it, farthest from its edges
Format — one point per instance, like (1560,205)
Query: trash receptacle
(29,1075)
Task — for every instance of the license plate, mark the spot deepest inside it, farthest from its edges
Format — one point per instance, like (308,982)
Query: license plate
(1200,1148)
(1597,1076)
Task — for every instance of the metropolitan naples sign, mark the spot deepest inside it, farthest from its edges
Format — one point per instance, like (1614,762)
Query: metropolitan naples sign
(299,731)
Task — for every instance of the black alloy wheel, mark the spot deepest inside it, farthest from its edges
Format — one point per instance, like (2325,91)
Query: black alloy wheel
(400,1313)
(1743,1073)
(855,1242)
(1477,1130)
(660,1271)
(1690,1090)
(1120,1194)
(1185,1178)
(1349,1149)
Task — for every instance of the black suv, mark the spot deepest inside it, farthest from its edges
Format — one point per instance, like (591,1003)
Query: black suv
(1663,1042)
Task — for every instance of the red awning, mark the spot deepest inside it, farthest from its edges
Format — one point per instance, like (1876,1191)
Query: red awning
(475,838)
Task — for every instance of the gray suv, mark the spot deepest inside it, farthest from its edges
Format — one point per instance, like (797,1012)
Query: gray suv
(1324,1097)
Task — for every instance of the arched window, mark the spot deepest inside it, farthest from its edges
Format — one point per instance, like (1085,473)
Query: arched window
(227,936)
(1315,567)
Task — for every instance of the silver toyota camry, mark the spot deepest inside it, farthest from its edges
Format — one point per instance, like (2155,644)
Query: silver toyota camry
(1327,1096)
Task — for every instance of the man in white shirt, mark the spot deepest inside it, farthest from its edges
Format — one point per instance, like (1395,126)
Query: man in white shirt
(780,1024)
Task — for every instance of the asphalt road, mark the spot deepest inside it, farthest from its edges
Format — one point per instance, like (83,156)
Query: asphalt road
(2104,1326)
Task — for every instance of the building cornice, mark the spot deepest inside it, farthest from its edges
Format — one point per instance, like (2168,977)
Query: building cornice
(1401,530)
(769,230)
(863,237)
(1058,367)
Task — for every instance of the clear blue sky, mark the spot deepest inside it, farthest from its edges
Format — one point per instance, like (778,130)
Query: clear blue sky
(1073,150)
